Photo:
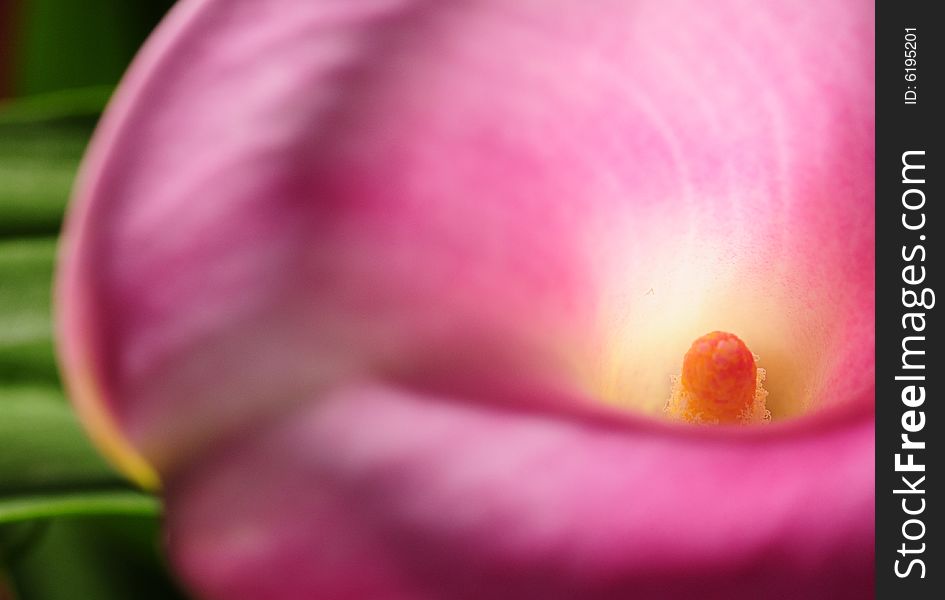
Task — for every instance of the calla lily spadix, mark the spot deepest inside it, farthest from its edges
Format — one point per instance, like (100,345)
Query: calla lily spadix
(391,295)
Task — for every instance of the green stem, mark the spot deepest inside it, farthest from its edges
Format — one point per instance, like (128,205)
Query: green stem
(86,101)
(122,503)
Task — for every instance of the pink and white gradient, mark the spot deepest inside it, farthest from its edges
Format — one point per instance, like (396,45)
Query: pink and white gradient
(385,289)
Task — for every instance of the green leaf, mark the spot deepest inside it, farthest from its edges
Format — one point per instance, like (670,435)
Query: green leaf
(15,538)
(26,347)
(70,526)
(64,44)
(38,162)
(97,559)
(77,105)
(48,468)
(47,465)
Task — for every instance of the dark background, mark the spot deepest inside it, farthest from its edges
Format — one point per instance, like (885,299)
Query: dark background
(901,128)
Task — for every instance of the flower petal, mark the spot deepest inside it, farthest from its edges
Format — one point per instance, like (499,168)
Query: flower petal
(378,492)
(500,211)
(289,193)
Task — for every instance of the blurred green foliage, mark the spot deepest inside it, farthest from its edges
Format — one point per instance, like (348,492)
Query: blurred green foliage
(65,44)
(70,526)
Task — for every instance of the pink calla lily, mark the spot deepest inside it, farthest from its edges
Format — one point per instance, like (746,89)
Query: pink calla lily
(387,293)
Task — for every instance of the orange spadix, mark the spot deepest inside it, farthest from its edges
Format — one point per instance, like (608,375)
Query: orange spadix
(720,383)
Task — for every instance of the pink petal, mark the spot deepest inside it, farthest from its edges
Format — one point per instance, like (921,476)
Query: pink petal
(287,193)
(376,492)
(483,200)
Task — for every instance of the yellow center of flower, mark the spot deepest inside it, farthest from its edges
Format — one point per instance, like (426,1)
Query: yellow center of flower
(720,383)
